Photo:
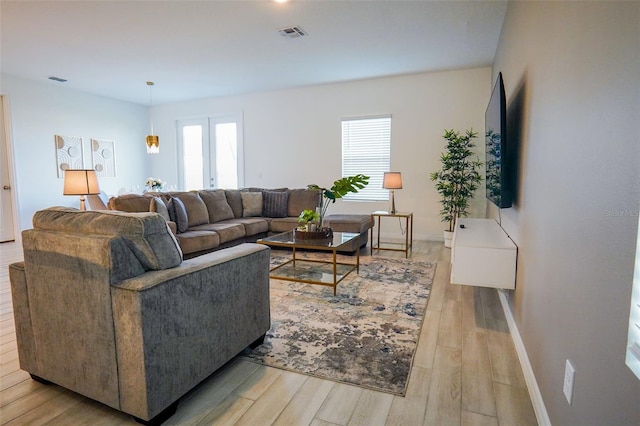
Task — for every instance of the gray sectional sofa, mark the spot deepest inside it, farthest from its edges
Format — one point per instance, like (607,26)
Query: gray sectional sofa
(104,305)
(207,220)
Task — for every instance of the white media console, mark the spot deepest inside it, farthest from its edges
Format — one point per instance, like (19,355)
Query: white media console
(482,254)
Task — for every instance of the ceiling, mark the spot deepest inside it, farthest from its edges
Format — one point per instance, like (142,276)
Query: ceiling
(202,49)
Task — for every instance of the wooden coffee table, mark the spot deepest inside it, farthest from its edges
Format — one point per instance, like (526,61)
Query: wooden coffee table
(327,272)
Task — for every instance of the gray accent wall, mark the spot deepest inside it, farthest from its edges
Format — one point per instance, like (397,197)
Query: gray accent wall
(571,71)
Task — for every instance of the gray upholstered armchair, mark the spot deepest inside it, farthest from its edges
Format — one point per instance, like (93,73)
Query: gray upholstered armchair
(105,306)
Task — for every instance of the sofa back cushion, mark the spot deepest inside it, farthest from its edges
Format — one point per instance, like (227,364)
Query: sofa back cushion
(157,205)
(129,203)
(302,199)
(196,208)
(217,205)
(146,234)
(235,201)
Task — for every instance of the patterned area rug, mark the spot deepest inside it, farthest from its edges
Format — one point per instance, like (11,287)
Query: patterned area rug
(366,335)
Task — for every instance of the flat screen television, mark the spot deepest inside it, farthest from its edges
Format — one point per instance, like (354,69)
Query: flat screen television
(499,170)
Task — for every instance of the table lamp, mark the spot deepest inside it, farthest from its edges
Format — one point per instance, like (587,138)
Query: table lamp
(391,181)
(81,182)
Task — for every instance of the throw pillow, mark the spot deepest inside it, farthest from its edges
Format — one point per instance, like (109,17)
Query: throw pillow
(158,206)
(178,214)
(251,204)
(217,205)
(274,204)
(195,207)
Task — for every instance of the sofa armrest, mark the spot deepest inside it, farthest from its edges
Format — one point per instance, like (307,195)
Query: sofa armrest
(177,326)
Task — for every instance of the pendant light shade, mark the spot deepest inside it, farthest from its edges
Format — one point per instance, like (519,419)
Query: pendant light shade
(153,143)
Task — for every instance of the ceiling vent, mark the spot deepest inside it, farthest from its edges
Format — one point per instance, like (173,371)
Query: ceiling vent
(292,32)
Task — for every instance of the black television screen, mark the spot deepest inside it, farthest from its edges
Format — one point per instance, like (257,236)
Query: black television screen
(497,178)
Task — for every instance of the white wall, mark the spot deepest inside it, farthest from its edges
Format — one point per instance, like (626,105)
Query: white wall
(575,67)
(292,137)
(38,111)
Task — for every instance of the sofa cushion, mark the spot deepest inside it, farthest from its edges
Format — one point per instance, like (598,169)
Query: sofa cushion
(178,214)
(158,206)
(129,203)
(252,225)
(197,213)
(146,234)
(217,205)
(195,241)
(227,231)
(275,204)
(235,201)
(302,199)
(251,204)
(357,223)
(284,224)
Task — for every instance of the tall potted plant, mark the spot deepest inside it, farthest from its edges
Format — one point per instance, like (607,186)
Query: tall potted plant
(340,188)
(458,178)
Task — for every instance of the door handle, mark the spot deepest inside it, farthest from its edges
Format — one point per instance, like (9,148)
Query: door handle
(6,187)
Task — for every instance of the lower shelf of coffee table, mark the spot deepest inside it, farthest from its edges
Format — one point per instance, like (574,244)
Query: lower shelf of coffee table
(313,271)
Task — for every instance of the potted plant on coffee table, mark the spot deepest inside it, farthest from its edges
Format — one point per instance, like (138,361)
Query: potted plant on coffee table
(308,220)
(340,188)
(458,178)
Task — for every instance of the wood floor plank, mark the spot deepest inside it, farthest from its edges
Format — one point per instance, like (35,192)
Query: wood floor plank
(258,382)
(267,409)
(339,404)
(18,390)
(228,412)
(475,419)
(472,310)
(307,401)
(88,412)
(505,365)
(444,404)
(450,330)
(477,383)
(410,409)
(514,405)
(426,350)
(45,411)
(371,409)
(13,378)
(198,403)
(439,287)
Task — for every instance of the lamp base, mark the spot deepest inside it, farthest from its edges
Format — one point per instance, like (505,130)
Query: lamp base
(83,207)
(393,204)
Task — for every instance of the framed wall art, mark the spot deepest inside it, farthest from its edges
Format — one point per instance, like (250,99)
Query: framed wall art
(103,155)
(69,153)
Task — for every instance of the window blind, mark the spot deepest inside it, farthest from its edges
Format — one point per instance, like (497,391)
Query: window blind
(366,149)
(633,341)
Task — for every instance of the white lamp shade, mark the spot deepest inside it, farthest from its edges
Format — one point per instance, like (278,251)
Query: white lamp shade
(80,182)
(392,180)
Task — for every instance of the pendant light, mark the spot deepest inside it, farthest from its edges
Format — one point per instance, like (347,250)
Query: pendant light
(153,143)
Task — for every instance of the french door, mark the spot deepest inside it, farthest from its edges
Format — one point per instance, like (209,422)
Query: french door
(210,153)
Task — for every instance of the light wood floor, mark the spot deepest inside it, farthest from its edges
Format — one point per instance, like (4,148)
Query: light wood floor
(465,372)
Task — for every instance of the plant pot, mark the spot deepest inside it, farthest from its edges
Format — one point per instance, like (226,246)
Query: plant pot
(448,238)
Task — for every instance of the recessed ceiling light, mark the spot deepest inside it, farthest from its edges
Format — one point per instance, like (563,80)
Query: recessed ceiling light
(58,79)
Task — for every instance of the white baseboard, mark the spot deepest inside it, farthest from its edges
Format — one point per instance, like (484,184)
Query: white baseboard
(532,385)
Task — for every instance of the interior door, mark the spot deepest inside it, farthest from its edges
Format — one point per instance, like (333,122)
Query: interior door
(7,232)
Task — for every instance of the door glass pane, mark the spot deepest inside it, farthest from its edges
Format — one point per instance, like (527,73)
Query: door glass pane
(226,156)
(192,155)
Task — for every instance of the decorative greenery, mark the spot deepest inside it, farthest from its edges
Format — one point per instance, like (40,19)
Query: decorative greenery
(493,166)
(459,176)
(154,183)
(340,188)
(308,216)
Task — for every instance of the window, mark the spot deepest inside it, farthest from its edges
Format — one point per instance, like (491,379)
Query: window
(366,149)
